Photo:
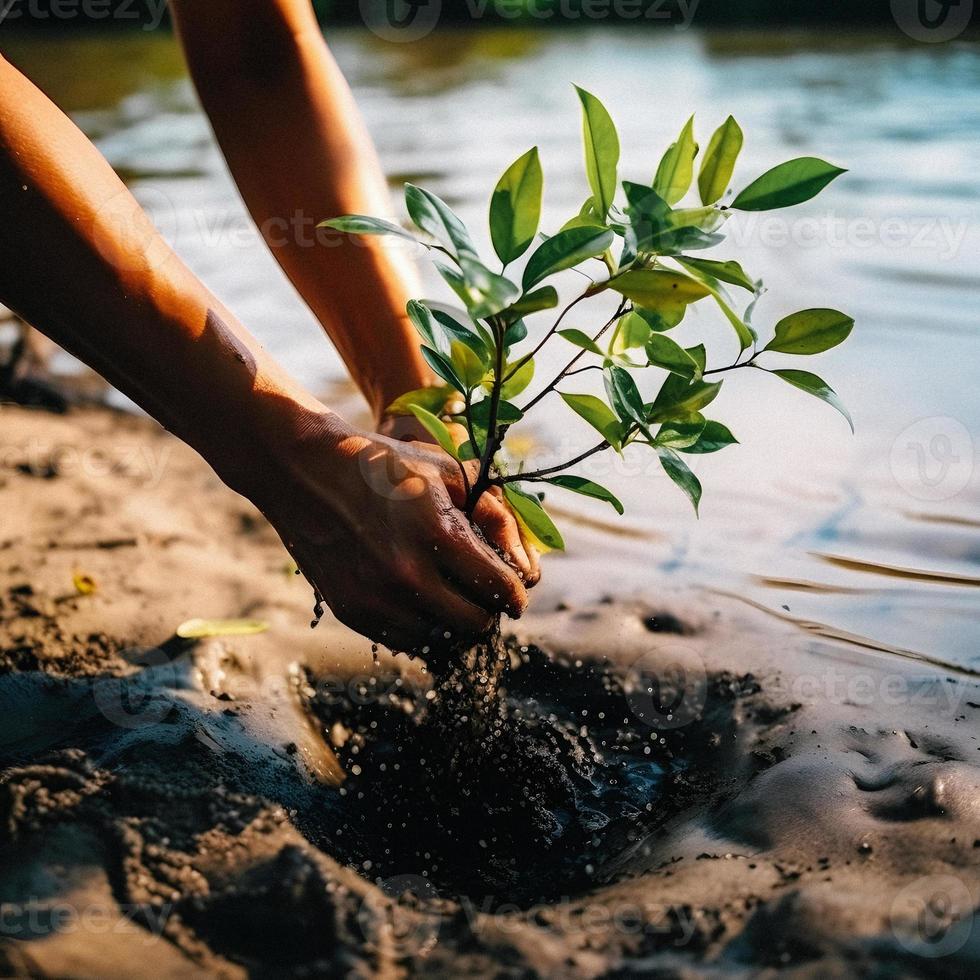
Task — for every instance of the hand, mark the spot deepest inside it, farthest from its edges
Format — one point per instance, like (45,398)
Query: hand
(375,525)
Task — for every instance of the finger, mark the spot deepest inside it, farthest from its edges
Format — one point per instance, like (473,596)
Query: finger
(478,572)
(501,529)
(534,560)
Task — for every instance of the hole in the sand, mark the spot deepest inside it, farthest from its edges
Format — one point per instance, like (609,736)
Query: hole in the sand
(522,795)
(664,622)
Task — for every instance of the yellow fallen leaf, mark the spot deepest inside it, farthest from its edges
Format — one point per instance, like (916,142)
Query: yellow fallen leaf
(84,584)
(196,629)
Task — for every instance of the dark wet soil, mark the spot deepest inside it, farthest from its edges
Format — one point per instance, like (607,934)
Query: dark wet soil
(515,775)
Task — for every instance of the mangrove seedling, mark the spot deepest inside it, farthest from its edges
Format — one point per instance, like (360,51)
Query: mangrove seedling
(641,250)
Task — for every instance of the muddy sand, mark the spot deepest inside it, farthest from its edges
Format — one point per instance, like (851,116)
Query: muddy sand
(677,785)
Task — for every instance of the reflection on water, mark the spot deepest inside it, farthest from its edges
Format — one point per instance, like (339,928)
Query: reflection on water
(872,538)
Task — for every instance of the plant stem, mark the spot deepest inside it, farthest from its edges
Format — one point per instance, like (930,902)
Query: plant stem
(490,449)
(591,291)
(731,367)
(564,371)
(546,471)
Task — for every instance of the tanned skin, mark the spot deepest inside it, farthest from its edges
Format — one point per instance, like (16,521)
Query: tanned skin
(373,521)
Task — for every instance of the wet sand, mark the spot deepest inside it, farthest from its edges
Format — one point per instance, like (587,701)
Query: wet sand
(707,789)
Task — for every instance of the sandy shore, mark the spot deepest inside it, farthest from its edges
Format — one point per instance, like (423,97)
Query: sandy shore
(747,798)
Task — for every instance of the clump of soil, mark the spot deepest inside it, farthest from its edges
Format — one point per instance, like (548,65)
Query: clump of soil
(514,775)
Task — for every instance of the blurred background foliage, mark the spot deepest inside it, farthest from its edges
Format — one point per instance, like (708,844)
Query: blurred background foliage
(52,15)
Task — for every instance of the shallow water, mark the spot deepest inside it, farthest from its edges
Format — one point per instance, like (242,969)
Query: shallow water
(869,542)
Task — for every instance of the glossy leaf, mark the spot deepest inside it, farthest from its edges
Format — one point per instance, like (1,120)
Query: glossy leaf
(679,399)
(811,332)
(730,272)
(483,292)
(624,396)
(435,217)
(790,183)
(713,438)
(533,518)
(443,367)
(523,376)
(544,298)
(676,169)
(659,290)
(599,415)
(515,208)
(817,387)
(362,224)
(581,339)
(681,474)
(507,414)
(680,435)
(719,161)
(744,332)
(665,353)
(601,151)
(432,399)
(564,250)
(587,488)
(474,335)
(469,367)
(436,428)
(421,317)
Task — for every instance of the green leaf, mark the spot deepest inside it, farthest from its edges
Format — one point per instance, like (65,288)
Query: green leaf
(719,161)
(665,353)
(436,218)
(659,290)
(815,386)
(442,366)
(677,166)
(515,208)
(564,250)
(362,224)
(699,355)
(743,331)
(632,332)
(198,629)
(601,151)
(512,387)
(514,334)
(730,272)
(475,336)
(436,428)
(483,292)
(679,399)
(545,298)
(790,183)
(714,437)
(432,399)
(507,414)
(680,435)
(624,396)
(581,339)
(533,517)
(681,474)
(599,415)
(469,367)
(810,332)
(578,484)
(421,317)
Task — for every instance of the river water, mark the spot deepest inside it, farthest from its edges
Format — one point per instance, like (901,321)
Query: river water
(870,542)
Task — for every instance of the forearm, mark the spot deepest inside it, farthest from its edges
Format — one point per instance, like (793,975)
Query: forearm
(82,262)
(299,152)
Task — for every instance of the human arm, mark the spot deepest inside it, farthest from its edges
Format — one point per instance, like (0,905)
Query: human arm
(79,260)
(296,145)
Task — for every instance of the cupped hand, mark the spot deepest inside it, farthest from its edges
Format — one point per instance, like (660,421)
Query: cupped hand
(375,524)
